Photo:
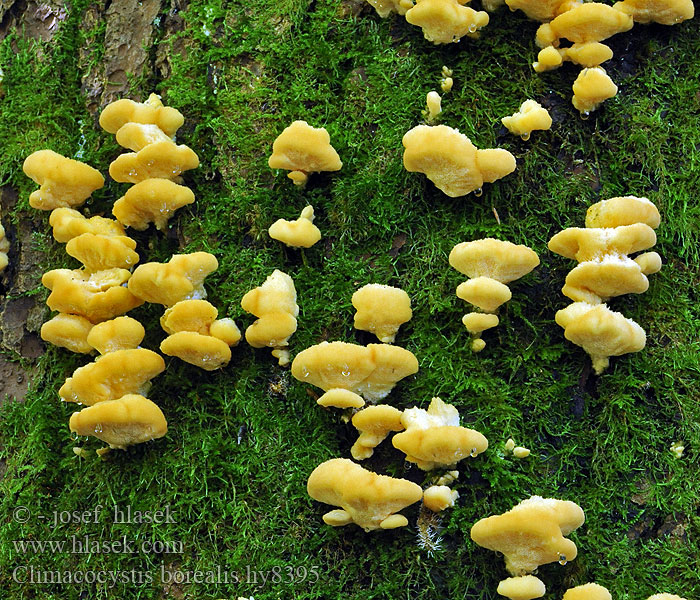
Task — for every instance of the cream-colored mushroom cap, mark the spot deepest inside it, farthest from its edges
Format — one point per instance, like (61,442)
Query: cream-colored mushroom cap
(340,398)
(366,499)
(204,351)
(588,54)
(439,446)
(531,534)
(600,332)
(381,310)
(451,161)
(497,259)
(68,223)
(136,136)
(271,330)
(63,182)
(592,87)
(649,262)
(587,591)
(608,276)
(112,376)
(181,278)
(587,22)
(374,424)
(122,333)
(665,597)
(276,294)
(665,12)
(590,243)
(478,322)
(385,7)
(484,292)
(119,113)
(226,330)
(151,201)
(100,252)
(531,116)
(304,149)
(132,419)
(625,210)
(160,160)
(542,10)
(446,21)
(96,296)
(4,248)
(439,497)
(526,587)
(189,315)
(68,331)
(301,233)
(371,371)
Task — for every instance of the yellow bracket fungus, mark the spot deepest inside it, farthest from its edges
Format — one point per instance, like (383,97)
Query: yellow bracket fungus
(275,305)
(136,136)
(385,7)
(592,87)
(301,233)
(68,331)
(374,423)
(439,497)
(446,82)
(370,371)
(63,182)
(100,252)
(624,210)
(526,587)
(112,376)
(446,21)
(160,160)
(531,534)
(131,419)
(97,296)
(542,10)
(587,591)
(4,248)
(151,201)
(303,150)
(490,264)
(381,310)
(588,54)
(68,223)
(366,499)
(587,22)
(665,597)
(591,243)
(122,333)
(152,112)
(434,437)
(451,161)
(665,12)
(196,336)
(181,278)
(433,106)
(600,332)
(531,116)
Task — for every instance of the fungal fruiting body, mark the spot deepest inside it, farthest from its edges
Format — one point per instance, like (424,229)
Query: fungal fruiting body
(587,591)
(451,161)
(152,112)
(151,201)
(665,12)
(531,534)
(4,248)
(197,336)
(181,278)
(381,310)
(434,438)
(592,87)
(63,182)
(374,423)
(614,229)
(275,305)
(347,372)
(68,223)
(490,264)
(525,587)
(68,331)
(365,498)
(385,7)
(131,419)
(433,106)
(446,82)
(587,22)
(301,233)
(587,54)
(162,159)
(542,10)
(531,116)
(439,497)
(122,333)
(303,149)
(446,21)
